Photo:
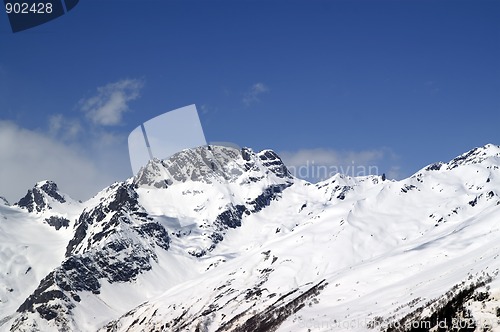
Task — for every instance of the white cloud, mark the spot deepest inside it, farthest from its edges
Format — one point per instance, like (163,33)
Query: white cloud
(106,108)
(82,159)
(66,129)
(253,94)
(319,164)
(27,157)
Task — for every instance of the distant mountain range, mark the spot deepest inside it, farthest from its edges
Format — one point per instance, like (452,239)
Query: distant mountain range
(224,239)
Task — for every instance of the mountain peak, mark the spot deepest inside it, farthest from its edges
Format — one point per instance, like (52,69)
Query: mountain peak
(40,196)
(210,164)
(229,239)
(475,156)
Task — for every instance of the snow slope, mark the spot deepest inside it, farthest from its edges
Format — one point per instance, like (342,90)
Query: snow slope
(219,239)
(30,247)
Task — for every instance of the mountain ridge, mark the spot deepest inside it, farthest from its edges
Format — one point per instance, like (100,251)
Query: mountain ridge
(219,228)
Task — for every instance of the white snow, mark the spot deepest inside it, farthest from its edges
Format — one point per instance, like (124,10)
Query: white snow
(384,248)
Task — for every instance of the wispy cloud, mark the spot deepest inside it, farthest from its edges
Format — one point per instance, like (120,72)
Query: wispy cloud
(82,157)
(29,156)
(253,94)
(319,163)
(64,128)
(106,108)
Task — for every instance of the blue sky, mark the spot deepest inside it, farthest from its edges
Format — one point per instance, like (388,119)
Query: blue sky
(396,84)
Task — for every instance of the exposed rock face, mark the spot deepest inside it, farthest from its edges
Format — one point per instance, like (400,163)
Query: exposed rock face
(210,164)
(223,239)
(274,163)
(38,199)
(57,222)
(116,239)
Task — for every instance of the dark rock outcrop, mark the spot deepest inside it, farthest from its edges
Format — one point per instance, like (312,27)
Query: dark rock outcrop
(36,198)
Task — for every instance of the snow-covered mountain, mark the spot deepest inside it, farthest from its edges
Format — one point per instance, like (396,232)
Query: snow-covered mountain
(222,239)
